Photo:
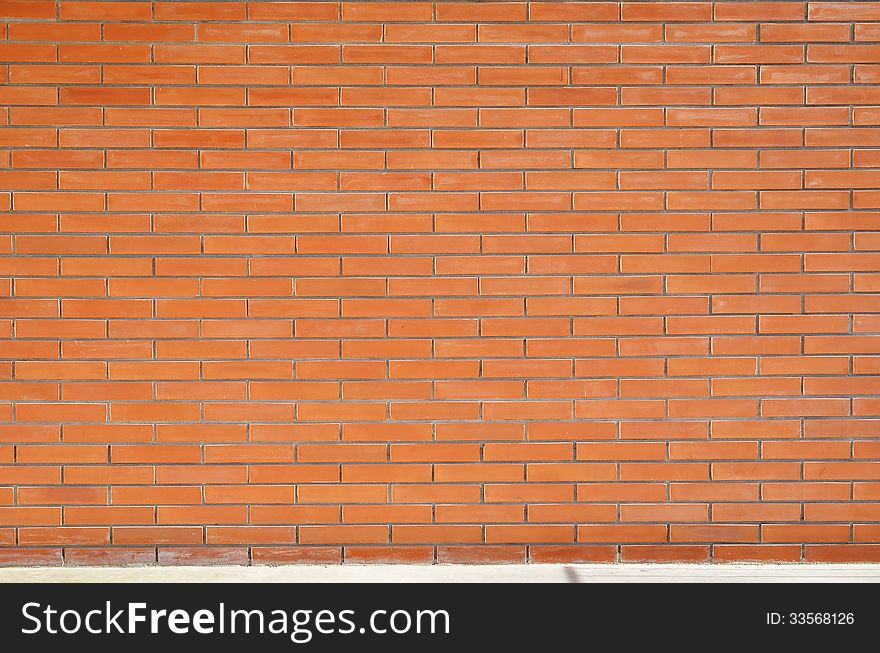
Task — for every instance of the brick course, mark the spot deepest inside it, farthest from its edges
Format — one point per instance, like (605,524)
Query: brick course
(456,282)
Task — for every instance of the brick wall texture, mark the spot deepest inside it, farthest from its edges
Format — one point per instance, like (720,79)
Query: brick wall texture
(456,282)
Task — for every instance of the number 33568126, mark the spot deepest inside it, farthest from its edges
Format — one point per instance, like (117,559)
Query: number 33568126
(811,618)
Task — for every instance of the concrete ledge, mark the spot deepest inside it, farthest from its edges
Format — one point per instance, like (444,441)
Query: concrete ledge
(534,573)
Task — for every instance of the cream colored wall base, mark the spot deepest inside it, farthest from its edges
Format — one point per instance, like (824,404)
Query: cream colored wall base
(621,573)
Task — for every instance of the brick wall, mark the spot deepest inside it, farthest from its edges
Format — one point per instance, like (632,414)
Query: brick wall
(319,281)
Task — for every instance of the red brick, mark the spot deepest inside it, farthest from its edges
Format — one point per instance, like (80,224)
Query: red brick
(611,260)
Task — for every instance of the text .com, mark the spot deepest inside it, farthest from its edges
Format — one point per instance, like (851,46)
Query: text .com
(299,625)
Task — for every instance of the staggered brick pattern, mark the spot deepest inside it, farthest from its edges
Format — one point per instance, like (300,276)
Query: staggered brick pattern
(320,281)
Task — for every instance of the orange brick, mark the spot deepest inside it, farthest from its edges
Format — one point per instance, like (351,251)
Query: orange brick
(600,287)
